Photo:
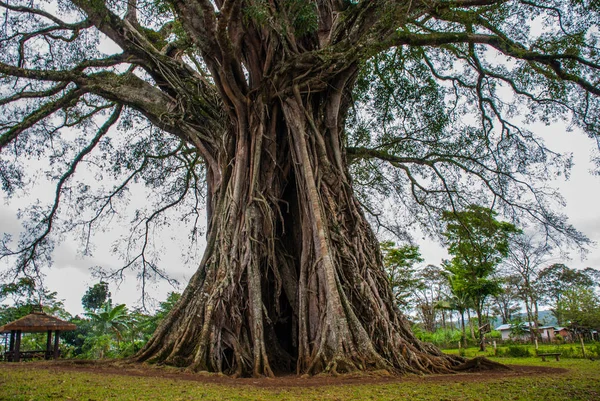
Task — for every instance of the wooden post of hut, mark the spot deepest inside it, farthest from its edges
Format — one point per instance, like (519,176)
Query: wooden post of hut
(48,345)
(56,337)
(17,347)
(11,346)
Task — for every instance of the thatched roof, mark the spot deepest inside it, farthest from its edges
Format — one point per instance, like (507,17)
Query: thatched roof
(38,321)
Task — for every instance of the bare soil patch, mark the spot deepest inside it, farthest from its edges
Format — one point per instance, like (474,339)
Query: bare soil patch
(141,370)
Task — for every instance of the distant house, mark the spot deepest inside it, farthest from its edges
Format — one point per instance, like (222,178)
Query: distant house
(547,333)
(505,331)
(563,332)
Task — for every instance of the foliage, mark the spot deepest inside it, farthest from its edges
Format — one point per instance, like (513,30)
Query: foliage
(399,264)
(515,351)
(580,306)
(441,337)
(478,243)
(95,296)
(77,338)
(476,239)
(558,279)
(569,352)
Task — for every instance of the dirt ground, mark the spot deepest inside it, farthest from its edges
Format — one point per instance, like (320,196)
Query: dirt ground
(280,381)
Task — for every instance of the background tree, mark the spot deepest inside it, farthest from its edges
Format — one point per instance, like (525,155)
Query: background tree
(580,306)
(427,295)
(95,296)
(25,296)
(459,301)
(150,325)
(281,118)
(556,280)
(109,323)
(526,256)
(399,264)
(478,243)
(507,299)
(21,295)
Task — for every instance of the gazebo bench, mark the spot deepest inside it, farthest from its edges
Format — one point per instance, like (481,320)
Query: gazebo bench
(554,354)
(27,355)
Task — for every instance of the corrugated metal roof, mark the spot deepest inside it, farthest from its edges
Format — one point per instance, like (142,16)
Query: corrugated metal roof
(526,326)
(38,321)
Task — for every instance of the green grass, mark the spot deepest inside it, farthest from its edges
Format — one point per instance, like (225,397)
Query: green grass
(567,350)
(581,382)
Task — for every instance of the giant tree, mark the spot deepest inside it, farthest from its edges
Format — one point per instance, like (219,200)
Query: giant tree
(284,119)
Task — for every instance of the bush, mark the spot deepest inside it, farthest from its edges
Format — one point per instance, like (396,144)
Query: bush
(494,334)
(446,336)
(515,351)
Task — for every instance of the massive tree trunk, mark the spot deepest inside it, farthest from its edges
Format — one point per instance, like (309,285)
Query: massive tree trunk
(292,276)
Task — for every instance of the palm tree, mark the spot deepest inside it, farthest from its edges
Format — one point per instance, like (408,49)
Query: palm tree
(110,320)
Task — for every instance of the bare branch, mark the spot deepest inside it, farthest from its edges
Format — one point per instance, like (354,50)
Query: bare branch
(28,252)
(38,115)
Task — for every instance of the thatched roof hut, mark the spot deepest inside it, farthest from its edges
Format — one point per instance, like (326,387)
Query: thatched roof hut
(33,323)
(37,322)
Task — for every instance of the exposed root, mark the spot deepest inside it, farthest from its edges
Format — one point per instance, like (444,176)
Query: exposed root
(479,364)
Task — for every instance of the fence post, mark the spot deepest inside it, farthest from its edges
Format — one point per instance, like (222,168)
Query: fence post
(582,345)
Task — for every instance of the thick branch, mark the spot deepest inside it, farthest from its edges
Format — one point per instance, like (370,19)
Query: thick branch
(505,46)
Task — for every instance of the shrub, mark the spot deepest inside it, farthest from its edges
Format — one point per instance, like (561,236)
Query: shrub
(446,336)
(494,334)
(515,351)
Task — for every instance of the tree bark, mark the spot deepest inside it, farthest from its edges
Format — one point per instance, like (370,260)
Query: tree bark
(471,327)
(480,331)
(292,278)
(464,330)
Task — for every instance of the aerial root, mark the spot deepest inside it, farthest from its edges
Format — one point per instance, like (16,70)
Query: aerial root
(345,364)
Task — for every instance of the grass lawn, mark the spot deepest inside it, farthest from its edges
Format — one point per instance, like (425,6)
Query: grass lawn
(567,350)
(25,382)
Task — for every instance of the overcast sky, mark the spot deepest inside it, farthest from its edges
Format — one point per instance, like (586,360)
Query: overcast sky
(71,274)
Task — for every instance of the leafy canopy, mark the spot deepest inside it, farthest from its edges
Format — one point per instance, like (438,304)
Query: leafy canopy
(399,264)
(132,92)
(95,296)
(478,243)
